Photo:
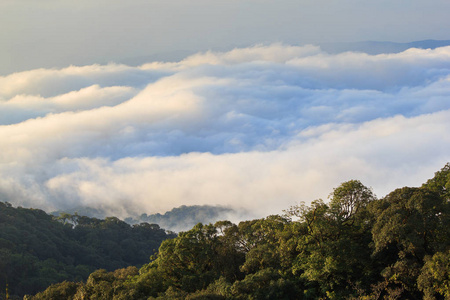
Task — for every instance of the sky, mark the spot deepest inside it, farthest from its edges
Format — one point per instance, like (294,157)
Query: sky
(58,33)
(257,117)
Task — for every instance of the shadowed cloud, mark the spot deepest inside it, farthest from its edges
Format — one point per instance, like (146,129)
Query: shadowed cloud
(257,128)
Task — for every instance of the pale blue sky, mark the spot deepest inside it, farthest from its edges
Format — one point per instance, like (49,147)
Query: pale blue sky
(48,33)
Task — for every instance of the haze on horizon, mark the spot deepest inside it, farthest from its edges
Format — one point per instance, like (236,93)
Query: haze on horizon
(258,124)
(55,33)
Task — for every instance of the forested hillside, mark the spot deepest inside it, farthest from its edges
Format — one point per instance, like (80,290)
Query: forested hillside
(37,249)
(353,246)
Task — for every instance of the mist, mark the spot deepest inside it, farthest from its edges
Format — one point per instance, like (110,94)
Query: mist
(257,129)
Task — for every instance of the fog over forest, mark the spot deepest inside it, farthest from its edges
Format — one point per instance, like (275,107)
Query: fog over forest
(226,149)
(256,129)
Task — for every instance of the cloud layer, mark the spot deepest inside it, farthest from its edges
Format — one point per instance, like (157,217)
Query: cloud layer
(257,129)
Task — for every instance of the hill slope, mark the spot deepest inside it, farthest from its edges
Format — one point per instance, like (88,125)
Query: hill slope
(37,249)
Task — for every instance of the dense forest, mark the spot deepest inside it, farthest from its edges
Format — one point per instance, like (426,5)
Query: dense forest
(37,249)
(353,246)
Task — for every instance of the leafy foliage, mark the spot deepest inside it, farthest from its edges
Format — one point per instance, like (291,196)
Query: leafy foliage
(37,250)
(353,247)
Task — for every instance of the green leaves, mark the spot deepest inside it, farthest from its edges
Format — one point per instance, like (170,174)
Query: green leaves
(440,183)
(435,276)
(334,244)
(410,219)
(352,247)
(410,224)
(349,199)
(37,250)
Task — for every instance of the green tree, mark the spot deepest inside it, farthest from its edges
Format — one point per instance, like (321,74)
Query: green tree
(265,284)
(63,290)
(349,202)
(410,224)
(187,262)
(440,183)
(37,249)
(434,279)
(334,247)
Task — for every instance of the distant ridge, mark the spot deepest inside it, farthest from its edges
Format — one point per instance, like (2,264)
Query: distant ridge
(37,249)
(369,47)
(374,47)
(84,211)
(177,219)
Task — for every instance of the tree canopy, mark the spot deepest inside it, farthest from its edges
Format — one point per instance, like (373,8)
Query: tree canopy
(354,246)
(37,249)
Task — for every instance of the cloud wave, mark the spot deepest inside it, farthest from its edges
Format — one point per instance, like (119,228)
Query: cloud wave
(257,129)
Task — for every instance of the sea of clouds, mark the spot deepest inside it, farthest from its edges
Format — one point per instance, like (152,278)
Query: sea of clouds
(257,129)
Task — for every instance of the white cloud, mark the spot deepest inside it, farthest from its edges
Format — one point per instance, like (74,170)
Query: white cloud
(382,153)
(24,107)
(53,82)
(257,128)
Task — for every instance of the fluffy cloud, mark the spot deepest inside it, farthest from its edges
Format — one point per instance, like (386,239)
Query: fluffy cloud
(257,129)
